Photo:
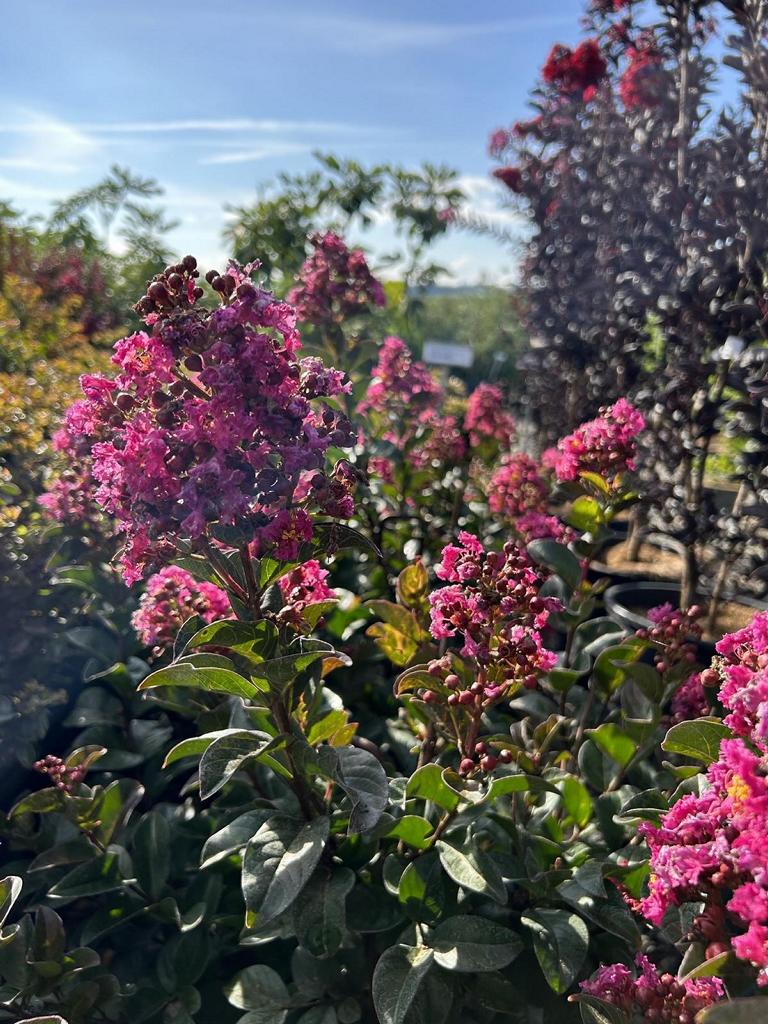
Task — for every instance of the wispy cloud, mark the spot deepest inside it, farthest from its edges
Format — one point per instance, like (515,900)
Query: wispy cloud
(363,34)
(252,155)
(193,125)
(49,145)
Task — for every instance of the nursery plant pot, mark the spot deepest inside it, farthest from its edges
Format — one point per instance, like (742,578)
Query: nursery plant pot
(662,561)
(628,603)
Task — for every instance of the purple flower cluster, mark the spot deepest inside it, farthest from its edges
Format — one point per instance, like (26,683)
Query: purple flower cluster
(334,283)
(605,445)
(650,996)
(210,420)
(171,597)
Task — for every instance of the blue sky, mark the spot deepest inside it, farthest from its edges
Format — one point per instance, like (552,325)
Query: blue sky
(213,99)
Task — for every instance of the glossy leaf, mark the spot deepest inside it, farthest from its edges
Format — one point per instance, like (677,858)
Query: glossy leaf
(277,864)
(699,739)
(473,944)
(399,972)
(560,941)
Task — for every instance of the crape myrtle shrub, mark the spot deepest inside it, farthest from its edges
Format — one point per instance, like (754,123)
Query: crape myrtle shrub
(645,272)
(333,778)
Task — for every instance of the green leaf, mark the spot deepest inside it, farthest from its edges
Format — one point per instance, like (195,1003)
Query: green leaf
(152,853)
(234,836)
(277,864)
(242,637)
(227,754)
(362,778)
(316,1015)
(421,889)
(646,806)
(320,916)
(576,800)
(734,1011)
(399,973)
(10,888)
(261,990)
(53,1019)
(610,912)
(194,746)
(413,830)
(597,482)
(115,806)
(396,645)
(43,801)
(279,673)
(473,944)
(518,782)
(699,739)
(614,742)
(560,941)
(474,871)
(559,559)
(427,783)
(586,515)
(598,1011)
(322,730)
(102,874)
(401,619)
(610,670)
(207,678)
(412,585)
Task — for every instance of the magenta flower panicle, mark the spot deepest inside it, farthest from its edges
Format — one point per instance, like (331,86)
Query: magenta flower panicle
(211,421)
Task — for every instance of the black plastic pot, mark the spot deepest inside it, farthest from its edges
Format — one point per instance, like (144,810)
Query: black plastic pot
(644,573)
(623,601)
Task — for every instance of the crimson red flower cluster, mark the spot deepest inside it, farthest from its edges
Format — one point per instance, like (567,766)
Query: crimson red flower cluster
(573,72)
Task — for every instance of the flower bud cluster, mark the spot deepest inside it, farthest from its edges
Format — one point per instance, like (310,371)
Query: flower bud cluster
(673,633)
(65,778)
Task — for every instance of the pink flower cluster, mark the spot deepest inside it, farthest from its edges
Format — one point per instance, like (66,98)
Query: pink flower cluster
(673,633)
(534,525)
(517,487)
(171,597)
(492,601)
(486,418)
(71,496)
(744,690)
(444,444)
(575,72)
(605,445)
(653,996)
(711,847)
(400,384)
(210,422)
(334,283)
(305,585)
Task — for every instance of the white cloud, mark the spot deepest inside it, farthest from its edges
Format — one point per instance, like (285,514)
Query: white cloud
(369,34)
(224,125)
(50,145)
(251,155)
